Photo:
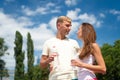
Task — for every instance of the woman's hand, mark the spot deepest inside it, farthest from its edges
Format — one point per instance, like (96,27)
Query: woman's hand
(76,62)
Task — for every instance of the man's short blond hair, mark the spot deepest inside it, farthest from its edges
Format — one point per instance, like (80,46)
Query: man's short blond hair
(63,18)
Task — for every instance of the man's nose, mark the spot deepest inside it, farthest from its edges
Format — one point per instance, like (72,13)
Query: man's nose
(69,28)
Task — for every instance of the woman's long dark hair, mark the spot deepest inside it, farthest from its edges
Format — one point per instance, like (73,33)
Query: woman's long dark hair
(89,37)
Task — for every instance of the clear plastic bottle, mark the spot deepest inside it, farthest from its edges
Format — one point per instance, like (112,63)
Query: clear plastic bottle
(56,59)
(74,68)
(74,75)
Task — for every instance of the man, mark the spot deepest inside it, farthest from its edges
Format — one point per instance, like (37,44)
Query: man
(58,51)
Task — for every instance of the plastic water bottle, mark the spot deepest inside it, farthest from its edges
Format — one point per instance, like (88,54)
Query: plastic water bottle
(74,69)
(74,75)
(56,58)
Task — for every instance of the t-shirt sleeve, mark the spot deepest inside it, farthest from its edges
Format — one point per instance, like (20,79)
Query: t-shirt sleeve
(45,49)
(76,44)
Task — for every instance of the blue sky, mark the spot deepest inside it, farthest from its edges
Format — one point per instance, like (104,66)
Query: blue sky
(38,17)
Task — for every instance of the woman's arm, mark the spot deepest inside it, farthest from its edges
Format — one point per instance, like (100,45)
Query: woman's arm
(100,67)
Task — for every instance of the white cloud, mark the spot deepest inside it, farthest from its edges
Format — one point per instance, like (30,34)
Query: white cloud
(70,2)
(47,9)
(73,14)
(52,23)
(87,18)
(8,27)
(40,34)
(115,12)
(102,15)
(90,18)
(24,21)
(56,10)
(9,60)
(50,4)
(28,12)
(42,10)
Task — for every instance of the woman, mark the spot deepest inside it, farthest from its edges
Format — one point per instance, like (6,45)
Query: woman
(89,54)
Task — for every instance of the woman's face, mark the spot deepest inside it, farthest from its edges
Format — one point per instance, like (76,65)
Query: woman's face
(79,33)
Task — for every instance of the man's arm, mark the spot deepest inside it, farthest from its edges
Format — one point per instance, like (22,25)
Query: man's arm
(45,60)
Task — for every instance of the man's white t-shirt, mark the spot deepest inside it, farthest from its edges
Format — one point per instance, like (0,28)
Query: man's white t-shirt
(65,49)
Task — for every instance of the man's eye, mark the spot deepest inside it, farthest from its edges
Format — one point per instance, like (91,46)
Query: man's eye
(68,25)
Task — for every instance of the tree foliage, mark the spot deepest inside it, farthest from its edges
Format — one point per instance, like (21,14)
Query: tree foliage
(111,54)
(30,56)
(19,57)
(3,49)
(39,73)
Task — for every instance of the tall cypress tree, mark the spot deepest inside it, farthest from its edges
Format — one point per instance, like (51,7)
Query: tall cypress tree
(19,57)
(30,55)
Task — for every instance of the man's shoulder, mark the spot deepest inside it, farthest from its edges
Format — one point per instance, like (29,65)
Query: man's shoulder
(72,40)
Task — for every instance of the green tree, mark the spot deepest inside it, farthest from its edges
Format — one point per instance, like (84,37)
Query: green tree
(19,57)
(116,58)
(3,49)
(30,56)
(39,74)
(111,54)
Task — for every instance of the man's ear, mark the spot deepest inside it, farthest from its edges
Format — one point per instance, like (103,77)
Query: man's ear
(58,25)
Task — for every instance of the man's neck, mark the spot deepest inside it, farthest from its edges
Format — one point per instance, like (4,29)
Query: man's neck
(61,37)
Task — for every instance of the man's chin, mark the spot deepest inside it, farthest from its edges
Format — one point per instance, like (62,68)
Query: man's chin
(67,33)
